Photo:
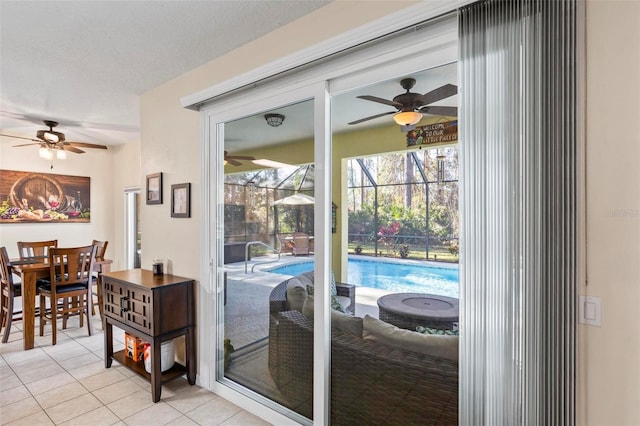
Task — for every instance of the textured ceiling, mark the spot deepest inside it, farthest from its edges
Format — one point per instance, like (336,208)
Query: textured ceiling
(84,63)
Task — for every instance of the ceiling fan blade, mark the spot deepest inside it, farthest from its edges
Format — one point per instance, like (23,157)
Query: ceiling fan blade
(232,162)
(449,111)
(441,92)
(241,157)
(85,145)
(372,117)
(20,137)
(381,101)
(26,144)
(73,149)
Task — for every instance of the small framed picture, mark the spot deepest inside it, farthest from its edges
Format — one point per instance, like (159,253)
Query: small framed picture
(154,188)
(181,200)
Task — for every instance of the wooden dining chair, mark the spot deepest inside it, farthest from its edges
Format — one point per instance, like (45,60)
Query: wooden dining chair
(100,253)
(70,278)
(35,250)
(9,291)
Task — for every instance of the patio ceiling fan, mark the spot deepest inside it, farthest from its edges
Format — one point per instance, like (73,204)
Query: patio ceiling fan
(411,106)
(50,140)
(233,159)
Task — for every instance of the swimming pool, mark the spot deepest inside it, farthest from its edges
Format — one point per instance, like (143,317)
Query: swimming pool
(395,277)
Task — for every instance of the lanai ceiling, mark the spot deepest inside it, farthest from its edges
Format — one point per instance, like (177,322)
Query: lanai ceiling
(253,132)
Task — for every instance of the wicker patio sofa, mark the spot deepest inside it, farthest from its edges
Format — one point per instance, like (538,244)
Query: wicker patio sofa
(371,383)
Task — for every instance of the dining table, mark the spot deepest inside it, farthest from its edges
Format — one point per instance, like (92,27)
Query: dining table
(30,271)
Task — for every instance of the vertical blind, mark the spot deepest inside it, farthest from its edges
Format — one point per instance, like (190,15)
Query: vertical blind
(518,209)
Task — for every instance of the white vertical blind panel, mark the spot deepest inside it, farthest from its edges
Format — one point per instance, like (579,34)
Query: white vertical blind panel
(517,132)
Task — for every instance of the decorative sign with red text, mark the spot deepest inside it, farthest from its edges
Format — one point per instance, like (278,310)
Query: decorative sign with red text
(433,134)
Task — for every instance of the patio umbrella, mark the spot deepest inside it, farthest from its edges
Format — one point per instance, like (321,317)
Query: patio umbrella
(295,200)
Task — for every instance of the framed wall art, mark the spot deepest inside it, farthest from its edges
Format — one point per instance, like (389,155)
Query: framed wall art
(181,200)
(44,197)
(154,188)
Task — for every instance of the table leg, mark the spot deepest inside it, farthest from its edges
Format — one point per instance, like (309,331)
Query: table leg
(108,343)
(156,370)
(28,309)
(190,356)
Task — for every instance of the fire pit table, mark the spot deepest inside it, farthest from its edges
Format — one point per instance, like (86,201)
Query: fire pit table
(409,310)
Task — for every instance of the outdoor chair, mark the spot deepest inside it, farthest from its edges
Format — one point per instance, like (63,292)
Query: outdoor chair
(300,244)
(286,244)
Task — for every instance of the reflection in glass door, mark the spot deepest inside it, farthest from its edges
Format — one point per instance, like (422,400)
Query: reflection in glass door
(395,361)
(268,210)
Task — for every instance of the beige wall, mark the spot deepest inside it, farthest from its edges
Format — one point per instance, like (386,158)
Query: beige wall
(609,376)
(96,164)
(171,134)
(609,355)
(125,174)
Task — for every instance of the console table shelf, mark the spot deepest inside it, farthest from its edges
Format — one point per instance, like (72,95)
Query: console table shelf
(155,308)
(178,370)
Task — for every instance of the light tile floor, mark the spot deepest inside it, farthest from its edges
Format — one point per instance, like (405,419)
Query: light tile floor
(67,384)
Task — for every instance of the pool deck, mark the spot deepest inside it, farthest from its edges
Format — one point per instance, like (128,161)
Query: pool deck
(366,298)
(248,292)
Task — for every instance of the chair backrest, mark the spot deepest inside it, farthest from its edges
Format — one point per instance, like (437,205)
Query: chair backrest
(102,248)
(300,239)
(70,266)
(5,274)
(286,246)
(300,243)
(35,249)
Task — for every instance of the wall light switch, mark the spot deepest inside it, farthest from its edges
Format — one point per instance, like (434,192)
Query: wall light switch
(589,310)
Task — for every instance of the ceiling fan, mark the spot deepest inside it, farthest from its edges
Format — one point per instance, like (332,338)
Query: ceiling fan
(410,106)
(233,159)
(50,140)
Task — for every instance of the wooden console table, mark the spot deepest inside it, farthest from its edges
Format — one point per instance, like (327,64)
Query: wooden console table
(155,308)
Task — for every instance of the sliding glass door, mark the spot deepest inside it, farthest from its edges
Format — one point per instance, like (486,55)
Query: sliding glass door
(268,211)
(275,161)
(394,356)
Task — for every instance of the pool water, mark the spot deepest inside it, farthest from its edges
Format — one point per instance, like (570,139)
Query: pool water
(394,277)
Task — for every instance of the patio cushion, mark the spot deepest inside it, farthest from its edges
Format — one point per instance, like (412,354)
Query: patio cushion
(428,344)
(339,321)
(340,303)
(427,330)
(296,294)
(310,277)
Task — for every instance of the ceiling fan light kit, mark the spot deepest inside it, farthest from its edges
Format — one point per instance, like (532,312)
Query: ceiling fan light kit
(274,120)
(411,106)
(407,118)
(51,141)
(45,153)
